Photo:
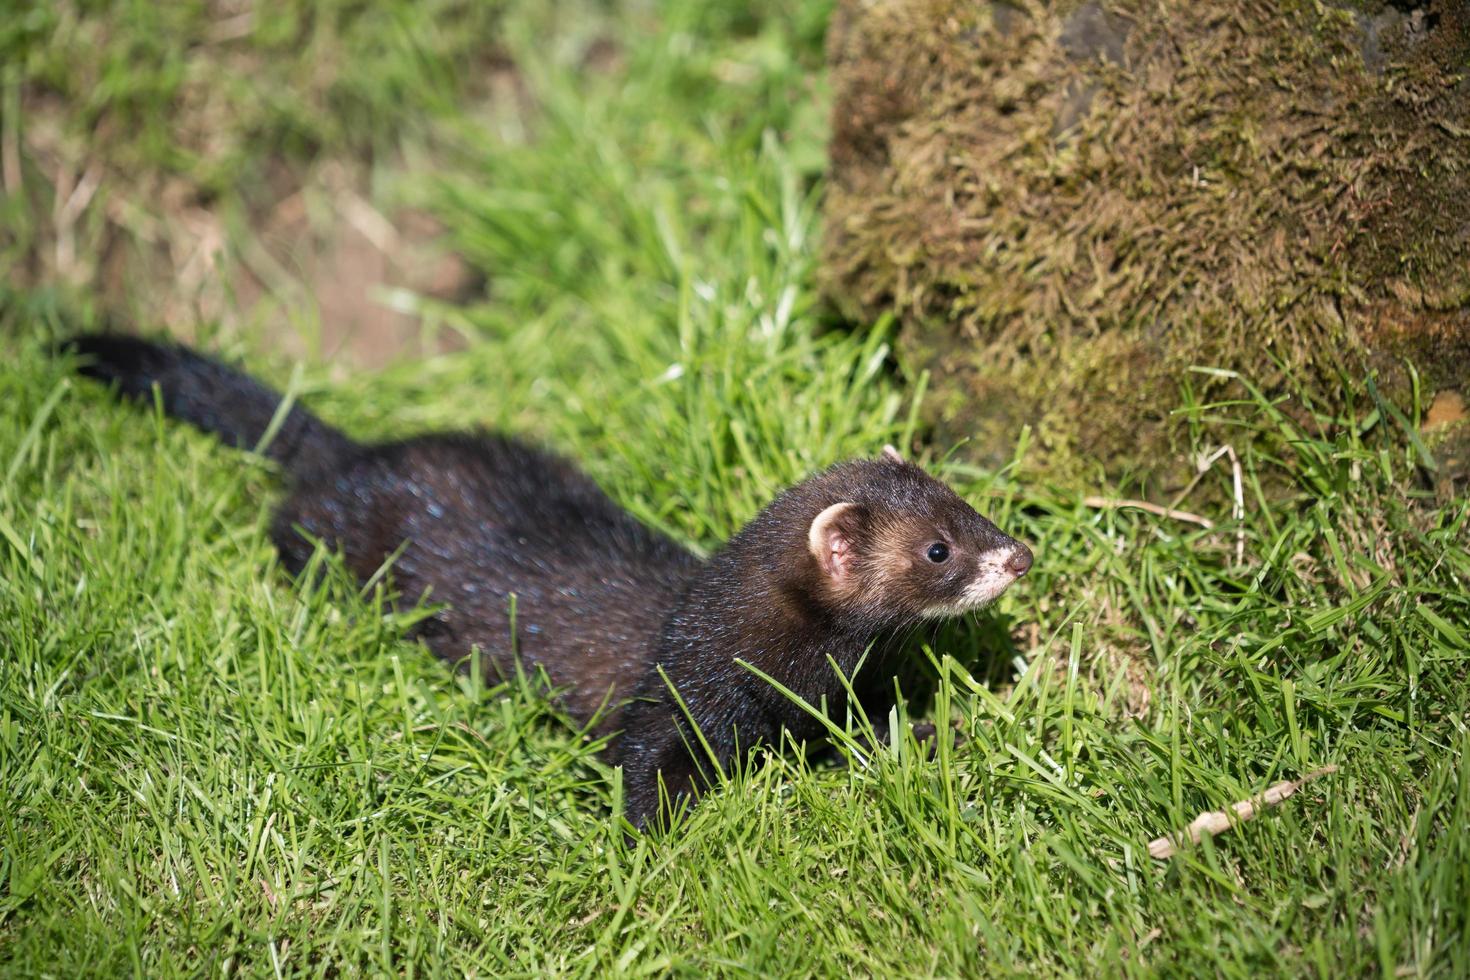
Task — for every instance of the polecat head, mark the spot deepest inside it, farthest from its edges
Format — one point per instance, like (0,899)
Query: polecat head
(892,542)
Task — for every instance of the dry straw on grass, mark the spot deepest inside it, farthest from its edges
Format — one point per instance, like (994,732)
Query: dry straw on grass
(1218,821)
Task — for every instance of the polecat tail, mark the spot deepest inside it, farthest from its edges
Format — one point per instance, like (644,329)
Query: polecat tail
(218,399)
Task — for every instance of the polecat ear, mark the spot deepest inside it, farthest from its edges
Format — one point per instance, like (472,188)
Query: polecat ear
(892,453)
(831,539)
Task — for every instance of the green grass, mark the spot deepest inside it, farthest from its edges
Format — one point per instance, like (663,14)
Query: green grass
(208,92)
(209,769)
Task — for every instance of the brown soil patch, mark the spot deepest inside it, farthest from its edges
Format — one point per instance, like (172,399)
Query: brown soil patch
(316,266)
(1446,409)
(362,271)
(242,226)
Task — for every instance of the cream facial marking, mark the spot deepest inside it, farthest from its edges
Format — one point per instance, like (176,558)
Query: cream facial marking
(994,572)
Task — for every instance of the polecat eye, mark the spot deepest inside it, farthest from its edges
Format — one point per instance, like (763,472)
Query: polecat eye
(938,552)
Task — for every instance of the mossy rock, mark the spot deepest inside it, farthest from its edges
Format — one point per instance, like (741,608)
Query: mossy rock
(1068,205)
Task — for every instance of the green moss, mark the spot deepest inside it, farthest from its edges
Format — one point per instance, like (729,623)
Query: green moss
(1069,206)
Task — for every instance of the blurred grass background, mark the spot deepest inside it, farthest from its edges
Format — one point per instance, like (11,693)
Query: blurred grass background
(595,224)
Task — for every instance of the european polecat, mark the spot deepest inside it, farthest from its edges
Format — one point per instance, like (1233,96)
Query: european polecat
(613,611)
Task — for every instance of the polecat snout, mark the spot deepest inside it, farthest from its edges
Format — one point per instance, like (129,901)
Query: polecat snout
(613,611)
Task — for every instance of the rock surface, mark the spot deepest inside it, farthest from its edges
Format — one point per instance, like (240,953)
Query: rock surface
(1067,205)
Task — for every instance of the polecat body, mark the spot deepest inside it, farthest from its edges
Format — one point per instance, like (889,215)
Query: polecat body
(602,602)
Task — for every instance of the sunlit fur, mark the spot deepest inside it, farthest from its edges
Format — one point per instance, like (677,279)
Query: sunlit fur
(535,566)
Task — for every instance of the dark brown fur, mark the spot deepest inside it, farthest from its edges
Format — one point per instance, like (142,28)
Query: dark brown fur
(602,602)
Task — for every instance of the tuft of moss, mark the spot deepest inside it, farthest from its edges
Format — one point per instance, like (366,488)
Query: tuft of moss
(1068,205)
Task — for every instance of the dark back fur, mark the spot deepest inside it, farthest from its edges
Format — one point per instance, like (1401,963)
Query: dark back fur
(484,517)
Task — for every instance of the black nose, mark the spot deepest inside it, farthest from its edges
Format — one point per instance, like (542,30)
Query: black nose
(1020,562)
